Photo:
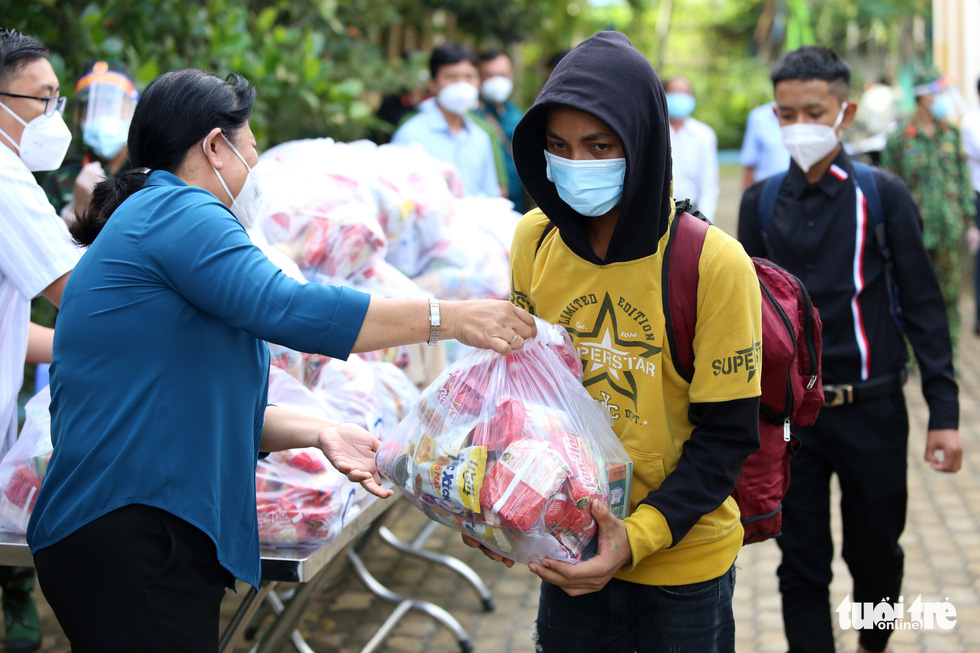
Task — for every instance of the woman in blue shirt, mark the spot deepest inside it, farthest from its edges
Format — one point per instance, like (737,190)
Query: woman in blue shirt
(160,371)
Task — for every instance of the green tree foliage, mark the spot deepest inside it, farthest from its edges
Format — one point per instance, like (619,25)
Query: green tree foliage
(321,66)
(312,62)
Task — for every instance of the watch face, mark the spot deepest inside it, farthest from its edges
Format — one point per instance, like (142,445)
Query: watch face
(434,317)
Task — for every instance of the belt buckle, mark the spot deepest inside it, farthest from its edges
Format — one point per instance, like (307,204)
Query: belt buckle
(839,395)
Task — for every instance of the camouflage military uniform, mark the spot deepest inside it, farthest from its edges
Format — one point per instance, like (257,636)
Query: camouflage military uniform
(935,171)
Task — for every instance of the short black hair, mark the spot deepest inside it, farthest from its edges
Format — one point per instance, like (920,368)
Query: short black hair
(448,54)
(490,55)
(978,84)
(16,51)
(814,62)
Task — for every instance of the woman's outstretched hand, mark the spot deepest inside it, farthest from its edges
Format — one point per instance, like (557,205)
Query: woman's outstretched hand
(351,450)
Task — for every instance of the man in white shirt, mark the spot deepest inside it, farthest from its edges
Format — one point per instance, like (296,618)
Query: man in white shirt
(693,148)
(970,134)
(763,151)
(444,126)
(36,257)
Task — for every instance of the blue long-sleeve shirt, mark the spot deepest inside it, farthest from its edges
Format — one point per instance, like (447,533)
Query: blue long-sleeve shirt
(160,371)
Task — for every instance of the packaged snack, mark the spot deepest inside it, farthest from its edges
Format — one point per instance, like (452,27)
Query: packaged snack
(301,500)
(25,464)
(522,435)
(519,484)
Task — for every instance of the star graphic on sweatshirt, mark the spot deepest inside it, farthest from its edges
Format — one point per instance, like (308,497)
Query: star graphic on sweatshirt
(622,381)
(606,346)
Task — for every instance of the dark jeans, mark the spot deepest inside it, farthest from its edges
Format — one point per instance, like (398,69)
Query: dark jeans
(136,579)
(626,617)
(865,444)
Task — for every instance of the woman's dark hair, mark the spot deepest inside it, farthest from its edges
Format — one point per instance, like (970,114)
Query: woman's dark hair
(175,111)
(814,62)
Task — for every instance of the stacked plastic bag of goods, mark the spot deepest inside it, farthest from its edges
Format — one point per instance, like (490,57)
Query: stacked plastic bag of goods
(512,451)
(24,465)
(387,219)
(301,500)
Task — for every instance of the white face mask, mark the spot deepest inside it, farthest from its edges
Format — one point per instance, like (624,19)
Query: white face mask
(808,144)
(248,204)
(497,89)
(44,143)
(459,98)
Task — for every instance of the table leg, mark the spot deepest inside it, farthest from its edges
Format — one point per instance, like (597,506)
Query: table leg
(273,599)
(404,604)
(457,565)
(285,623)
(243,616)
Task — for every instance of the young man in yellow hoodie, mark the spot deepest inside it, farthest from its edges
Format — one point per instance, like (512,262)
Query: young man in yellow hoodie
(594,154)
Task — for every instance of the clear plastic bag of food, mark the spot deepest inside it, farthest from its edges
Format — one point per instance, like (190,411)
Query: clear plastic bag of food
(512,451)
(25,464)
(301,500)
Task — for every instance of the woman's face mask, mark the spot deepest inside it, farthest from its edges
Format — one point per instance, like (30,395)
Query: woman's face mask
(810,143)
(592,187)
(247,204)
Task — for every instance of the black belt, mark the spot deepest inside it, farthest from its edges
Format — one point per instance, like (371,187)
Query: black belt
(850,393)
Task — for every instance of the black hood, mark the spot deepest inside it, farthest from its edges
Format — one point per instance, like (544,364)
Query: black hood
(610,79)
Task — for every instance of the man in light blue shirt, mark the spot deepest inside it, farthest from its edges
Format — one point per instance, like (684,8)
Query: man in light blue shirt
(443,127)
(763,152)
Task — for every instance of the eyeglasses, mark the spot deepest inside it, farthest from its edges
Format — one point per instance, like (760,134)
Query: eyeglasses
(52,103)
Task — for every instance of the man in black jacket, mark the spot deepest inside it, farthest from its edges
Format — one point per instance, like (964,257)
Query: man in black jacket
(821,229)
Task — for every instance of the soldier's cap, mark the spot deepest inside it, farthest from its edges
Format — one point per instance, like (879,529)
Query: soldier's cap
(103,72)
(929,81)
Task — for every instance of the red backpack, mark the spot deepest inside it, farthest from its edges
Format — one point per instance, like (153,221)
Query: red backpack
(792,390)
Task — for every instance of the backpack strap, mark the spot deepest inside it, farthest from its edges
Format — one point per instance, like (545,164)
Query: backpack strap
(767,202)
(679,285)
(869,186)
(867,181)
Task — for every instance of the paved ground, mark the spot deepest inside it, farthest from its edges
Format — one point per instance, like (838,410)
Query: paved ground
(942,545)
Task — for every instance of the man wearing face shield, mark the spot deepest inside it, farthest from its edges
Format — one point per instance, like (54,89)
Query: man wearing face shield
(104,101)
(444,127)
(927,154)
(36,257)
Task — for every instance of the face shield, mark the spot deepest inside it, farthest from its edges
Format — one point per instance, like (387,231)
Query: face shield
(105,103)
(947,102)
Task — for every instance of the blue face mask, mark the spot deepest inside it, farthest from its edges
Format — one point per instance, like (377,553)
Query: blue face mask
(591,187)
(106,137)
(679,105)
(941,106)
